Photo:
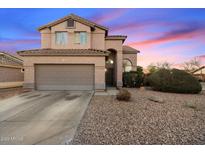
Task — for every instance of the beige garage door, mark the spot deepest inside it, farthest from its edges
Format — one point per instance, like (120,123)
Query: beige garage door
(64,77)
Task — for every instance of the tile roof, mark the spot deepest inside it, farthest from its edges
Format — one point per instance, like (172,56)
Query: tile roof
(116,37)
(129,50)
(8,60)
(12,57)
(64,52)
(74,17)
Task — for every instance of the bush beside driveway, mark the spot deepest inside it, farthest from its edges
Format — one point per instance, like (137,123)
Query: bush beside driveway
(149,118)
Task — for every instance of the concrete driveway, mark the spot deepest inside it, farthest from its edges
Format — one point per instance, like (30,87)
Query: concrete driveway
(42,117)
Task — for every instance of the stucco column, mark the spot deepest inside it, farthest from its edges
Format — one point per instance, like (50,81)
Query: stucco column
(29,77)
(99,78)
(119,68)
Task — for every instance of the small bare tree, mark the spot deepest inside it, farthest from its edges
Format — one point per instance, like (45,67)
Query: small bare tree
(192,65)
(164,65)
(160,65)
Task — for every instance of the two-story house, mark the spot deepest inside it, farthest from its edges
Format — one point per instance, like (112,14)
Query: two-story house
(77,54)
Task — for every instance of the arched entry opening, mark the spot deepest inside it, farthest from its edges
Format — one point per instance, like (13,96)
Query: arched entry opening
(110,75)
(127,65)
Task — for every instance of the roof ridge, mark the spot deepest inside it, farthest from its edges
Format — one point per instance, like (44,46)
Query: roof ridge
(74,17)
(62,49)
(129,49)
(116,35)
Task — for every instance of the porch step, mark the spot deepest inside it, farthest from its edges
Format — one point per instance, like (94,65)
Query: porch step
(108,91)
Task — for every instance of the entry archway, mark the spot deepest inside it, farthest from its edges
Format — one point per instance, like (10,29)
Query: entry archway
(111,68)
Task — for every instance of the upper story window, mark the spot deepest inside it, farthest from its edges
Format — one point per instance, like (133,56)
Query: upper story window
(80,38)
(70,23)
(61,38)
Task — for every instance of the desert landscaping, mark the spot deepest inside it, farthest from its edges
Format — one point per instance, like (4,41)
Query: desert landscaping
(150,117)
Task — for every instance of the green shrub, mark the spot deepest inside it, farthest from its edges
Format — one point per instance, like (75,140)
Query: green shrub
(123,95)
(133,78)
(146,81)
(174,80)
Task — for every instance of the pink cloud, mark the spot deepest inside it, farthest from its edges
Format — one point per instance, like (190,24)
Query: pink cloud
(16,44)
(109,16)
(176,35)
(173,54)
(19,42)
(152,57)
(201,59)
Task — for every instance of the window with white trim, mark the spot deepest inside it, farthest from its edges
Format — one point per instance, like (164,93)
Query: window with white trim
(61,38)
(81,38)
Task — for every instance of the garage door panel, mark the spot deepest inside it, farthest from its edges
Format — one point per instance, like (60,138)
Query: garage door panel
(64,77)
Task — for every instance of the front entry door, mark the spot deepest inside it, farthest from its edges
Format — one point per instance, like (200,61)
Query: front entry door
(109,77)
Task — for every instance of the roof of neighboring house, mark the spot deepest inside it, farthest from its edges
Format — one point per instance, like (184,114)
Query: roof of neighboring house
(64,52)
(203,67)
(76,18)
(11,57)
(116,37)
(129,50)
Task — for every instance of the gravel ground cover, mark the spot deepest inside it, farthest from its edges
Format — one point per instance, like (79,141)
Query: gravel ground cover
(149,118)
(6,93)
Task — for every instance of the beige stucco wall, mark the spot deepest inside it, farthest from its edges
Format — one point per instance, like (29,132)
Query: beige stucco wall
(48,36)
(71,36)
(98,39)
(11,74)
(11,84)
(29,62)
(132,58)
(95,40)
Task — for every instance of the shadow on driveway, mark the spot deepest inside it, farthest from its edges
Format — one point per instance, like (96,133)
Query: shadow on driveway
(42,117)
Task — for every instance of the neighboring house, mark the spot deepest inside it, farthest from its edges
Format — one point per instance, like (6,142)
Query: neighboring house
(77,54)
(11,71)
(200,73)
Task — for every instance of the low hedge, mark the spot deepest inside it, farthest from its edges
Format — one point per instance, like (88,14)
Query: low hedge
(174,80)
(132,79)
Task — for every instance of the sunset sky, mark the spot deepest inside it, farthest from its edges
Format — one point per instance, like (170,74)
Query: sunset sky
(173,35)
